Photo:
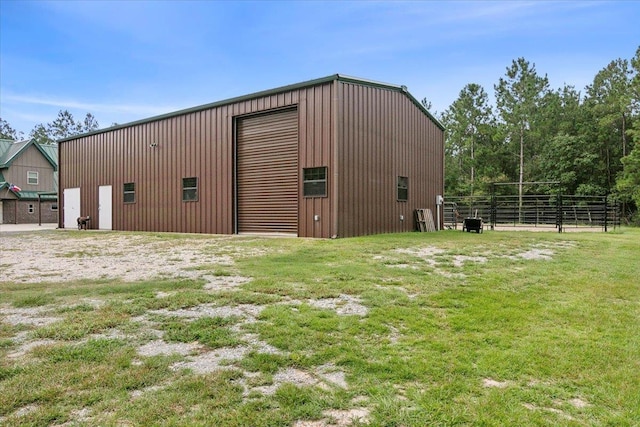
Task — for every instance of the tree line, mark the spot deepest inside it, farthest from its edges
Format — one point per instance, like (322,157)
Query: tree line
(64,126)
(587,141)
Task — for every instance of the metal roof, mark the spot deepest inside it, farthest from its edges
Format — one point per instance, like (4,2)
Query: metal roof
(33,195)
(315,82)
(11,150)
(50,150)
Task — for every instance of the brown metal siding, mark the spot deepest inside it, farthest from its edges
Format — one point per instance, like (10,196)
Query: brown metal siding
(365,135)
(196,144)
(383,135)
(316,130)
(267,173)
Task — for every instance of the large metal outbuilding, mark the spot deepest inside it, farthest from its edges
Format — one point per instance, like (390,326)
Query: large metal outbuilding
(333,157)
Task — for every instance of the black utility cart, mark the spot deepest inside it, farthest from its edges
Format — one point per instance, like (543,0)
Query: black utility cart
(472,224)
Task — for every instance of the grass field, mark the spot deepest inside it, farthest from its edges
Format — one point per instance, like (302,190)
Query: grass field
(416,329)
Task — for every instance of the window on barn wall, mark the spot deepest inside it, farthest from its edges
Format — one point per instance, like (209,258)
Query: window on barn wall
(314,182)
(403,188)
(32,178)
(129,192)
(31,209)
(54,207)
(190,189)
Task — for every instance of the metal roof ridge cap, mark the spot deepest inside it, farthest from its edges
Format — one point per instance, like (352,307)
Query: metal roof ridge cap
(346,78)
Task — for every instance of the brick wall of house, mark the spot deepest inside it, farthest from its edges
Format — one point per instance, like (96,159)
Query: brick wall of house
(8,211)
(26,212)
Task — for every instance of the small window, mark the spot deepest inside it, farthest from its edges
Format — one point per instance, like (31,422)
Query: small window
(190,189)
(54,207)
(32,178)
(315,182)
(31,209)
(403,188)
(129,192)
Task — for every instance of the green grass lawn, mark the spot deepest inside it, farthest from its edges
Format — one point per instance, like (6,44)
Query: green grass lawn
(415,329)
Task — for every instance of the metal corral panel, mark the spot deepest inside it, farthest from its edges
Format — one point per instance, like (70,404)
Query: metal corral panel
(267,173)
(384,135)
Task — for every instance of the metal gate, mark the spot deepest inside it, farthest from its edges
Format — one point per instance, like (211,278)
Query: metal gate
(267,173)
(535,211)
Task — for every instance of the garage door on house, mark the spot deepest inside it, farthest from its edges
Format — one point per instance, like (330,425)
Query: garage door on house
(267,173)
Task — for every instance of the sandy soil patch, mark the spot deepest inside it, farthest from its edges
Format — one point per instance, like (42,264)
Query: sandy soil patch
(34,316)
(325,377)
(460,260)
(579,403)
(338,418)
(440,260)
(344,305)
(248,312)
(533,254)
(223,283)
(557,411)
(212,361)
(26,347)
(160,347)
(427,254)
(488,382)
(106,256)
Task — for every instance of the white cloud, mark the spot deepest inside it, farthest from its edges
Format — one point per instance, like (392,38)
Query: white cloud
(130,109)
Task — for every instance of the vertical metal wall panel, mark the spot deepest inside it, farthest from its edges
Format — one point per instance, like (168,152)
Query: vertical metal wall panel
(316,150)
(156,155)
(384,135)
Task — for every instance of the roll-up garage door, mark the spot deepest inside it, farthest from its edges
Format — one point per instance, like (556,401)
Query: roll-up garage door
(267,173)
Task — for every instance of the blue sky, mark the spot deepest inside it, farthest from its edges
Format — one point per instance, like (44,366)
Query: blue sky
(128,60)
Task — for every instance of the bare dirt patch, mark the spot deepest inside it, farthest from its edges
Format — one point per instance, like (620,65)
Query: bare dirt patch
(533,254)
(441,260)
(579,403)
(105,256)
(26,347)
(338,418)
(34,316)
(160,347)
(326,377)
(488,382)
(344,305)
(557,411)
(248,312)
(223,283)
(62,257)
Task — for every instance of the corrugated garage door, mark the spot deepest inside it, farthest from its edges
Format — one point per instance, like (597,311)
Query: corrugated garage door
(267,173)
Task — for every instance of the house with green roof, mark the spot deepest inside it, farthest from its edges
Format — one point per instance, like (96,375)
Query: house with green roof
(28,182)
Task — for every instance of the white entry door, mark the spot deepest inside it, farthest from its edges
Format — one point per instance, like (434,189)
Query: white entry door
(71,197)
(105,208)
